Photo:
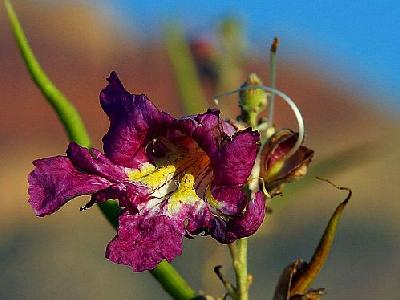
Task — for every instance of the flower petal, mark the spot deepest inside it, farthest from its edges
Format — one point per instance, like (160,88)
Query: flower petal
(134,121)
(55,181)
(208,130)
(235,160)
(94,162)
(129,196)
(246,225)
(232,166)
(231,200)
(232,156)
(143,241)
(198,219)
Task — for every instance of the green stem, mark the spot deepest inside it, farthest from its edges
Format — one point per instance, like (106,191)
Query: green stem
(172,282)
(164,273)
(66,112)
(238,252)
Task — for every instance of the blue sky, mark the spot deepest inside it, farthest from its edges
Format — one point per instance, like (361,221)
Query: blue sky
(360,38)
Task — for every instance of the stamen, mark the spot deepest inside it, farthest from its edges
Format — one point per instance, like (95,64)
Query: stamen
(166,177)
(291,104)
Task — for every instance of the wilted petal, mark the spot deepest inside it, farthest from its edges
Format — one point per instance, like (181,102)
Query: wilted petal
(243,226)
(312,294)
(134,121)
(55,181)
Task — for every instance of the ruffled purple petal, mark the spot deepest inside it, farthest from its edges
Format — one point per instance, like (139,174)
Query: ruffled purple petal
(134,121)
(230,151)
(232,156)
(129,195)
(235,160)
(246,225)
(143,241)
(208,130)
(146,238)
(232,166)
(196,218)
(55,181)
(94,162)
(232,199)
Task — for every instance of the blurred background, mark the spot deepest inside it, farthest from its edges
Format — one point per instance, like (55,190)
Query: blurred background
(338,60)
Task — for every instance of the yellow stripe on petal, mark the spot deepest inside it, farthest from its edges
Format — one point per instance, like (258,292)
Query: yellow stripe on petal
(144,170)
(149,175)
(158,177)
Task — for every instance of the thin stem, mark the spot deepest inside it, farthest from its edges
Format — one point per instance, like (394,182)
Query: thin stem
(230,289)
(65,110)
(238,252)
(172,282)
(272,76)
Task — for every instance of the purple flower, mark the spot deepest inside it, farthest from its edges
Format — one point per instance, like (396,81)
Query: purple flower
(172,178)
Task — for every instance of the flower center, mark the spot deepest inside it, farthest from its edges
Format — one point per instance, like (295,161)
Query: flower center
(179,172)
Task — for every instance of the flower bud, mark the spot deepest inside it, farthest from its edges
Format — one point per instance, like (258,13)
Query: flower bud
(252,101)
(276,168)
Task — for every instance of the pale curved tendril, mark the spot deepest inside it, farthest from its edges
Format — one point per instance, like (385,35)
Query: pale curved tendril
(285,98)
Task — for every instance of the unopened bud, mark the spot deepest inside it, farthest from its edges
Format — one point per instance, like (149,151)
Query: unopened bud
(276,167)
(252,101)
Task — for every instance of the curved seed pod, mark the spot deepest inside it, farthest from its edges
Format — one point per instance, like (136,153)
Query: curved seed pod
(302,281)
(297,277)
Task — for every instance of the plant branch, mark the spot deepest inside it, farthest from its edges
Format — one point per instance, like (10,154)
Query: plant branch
(238,252)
